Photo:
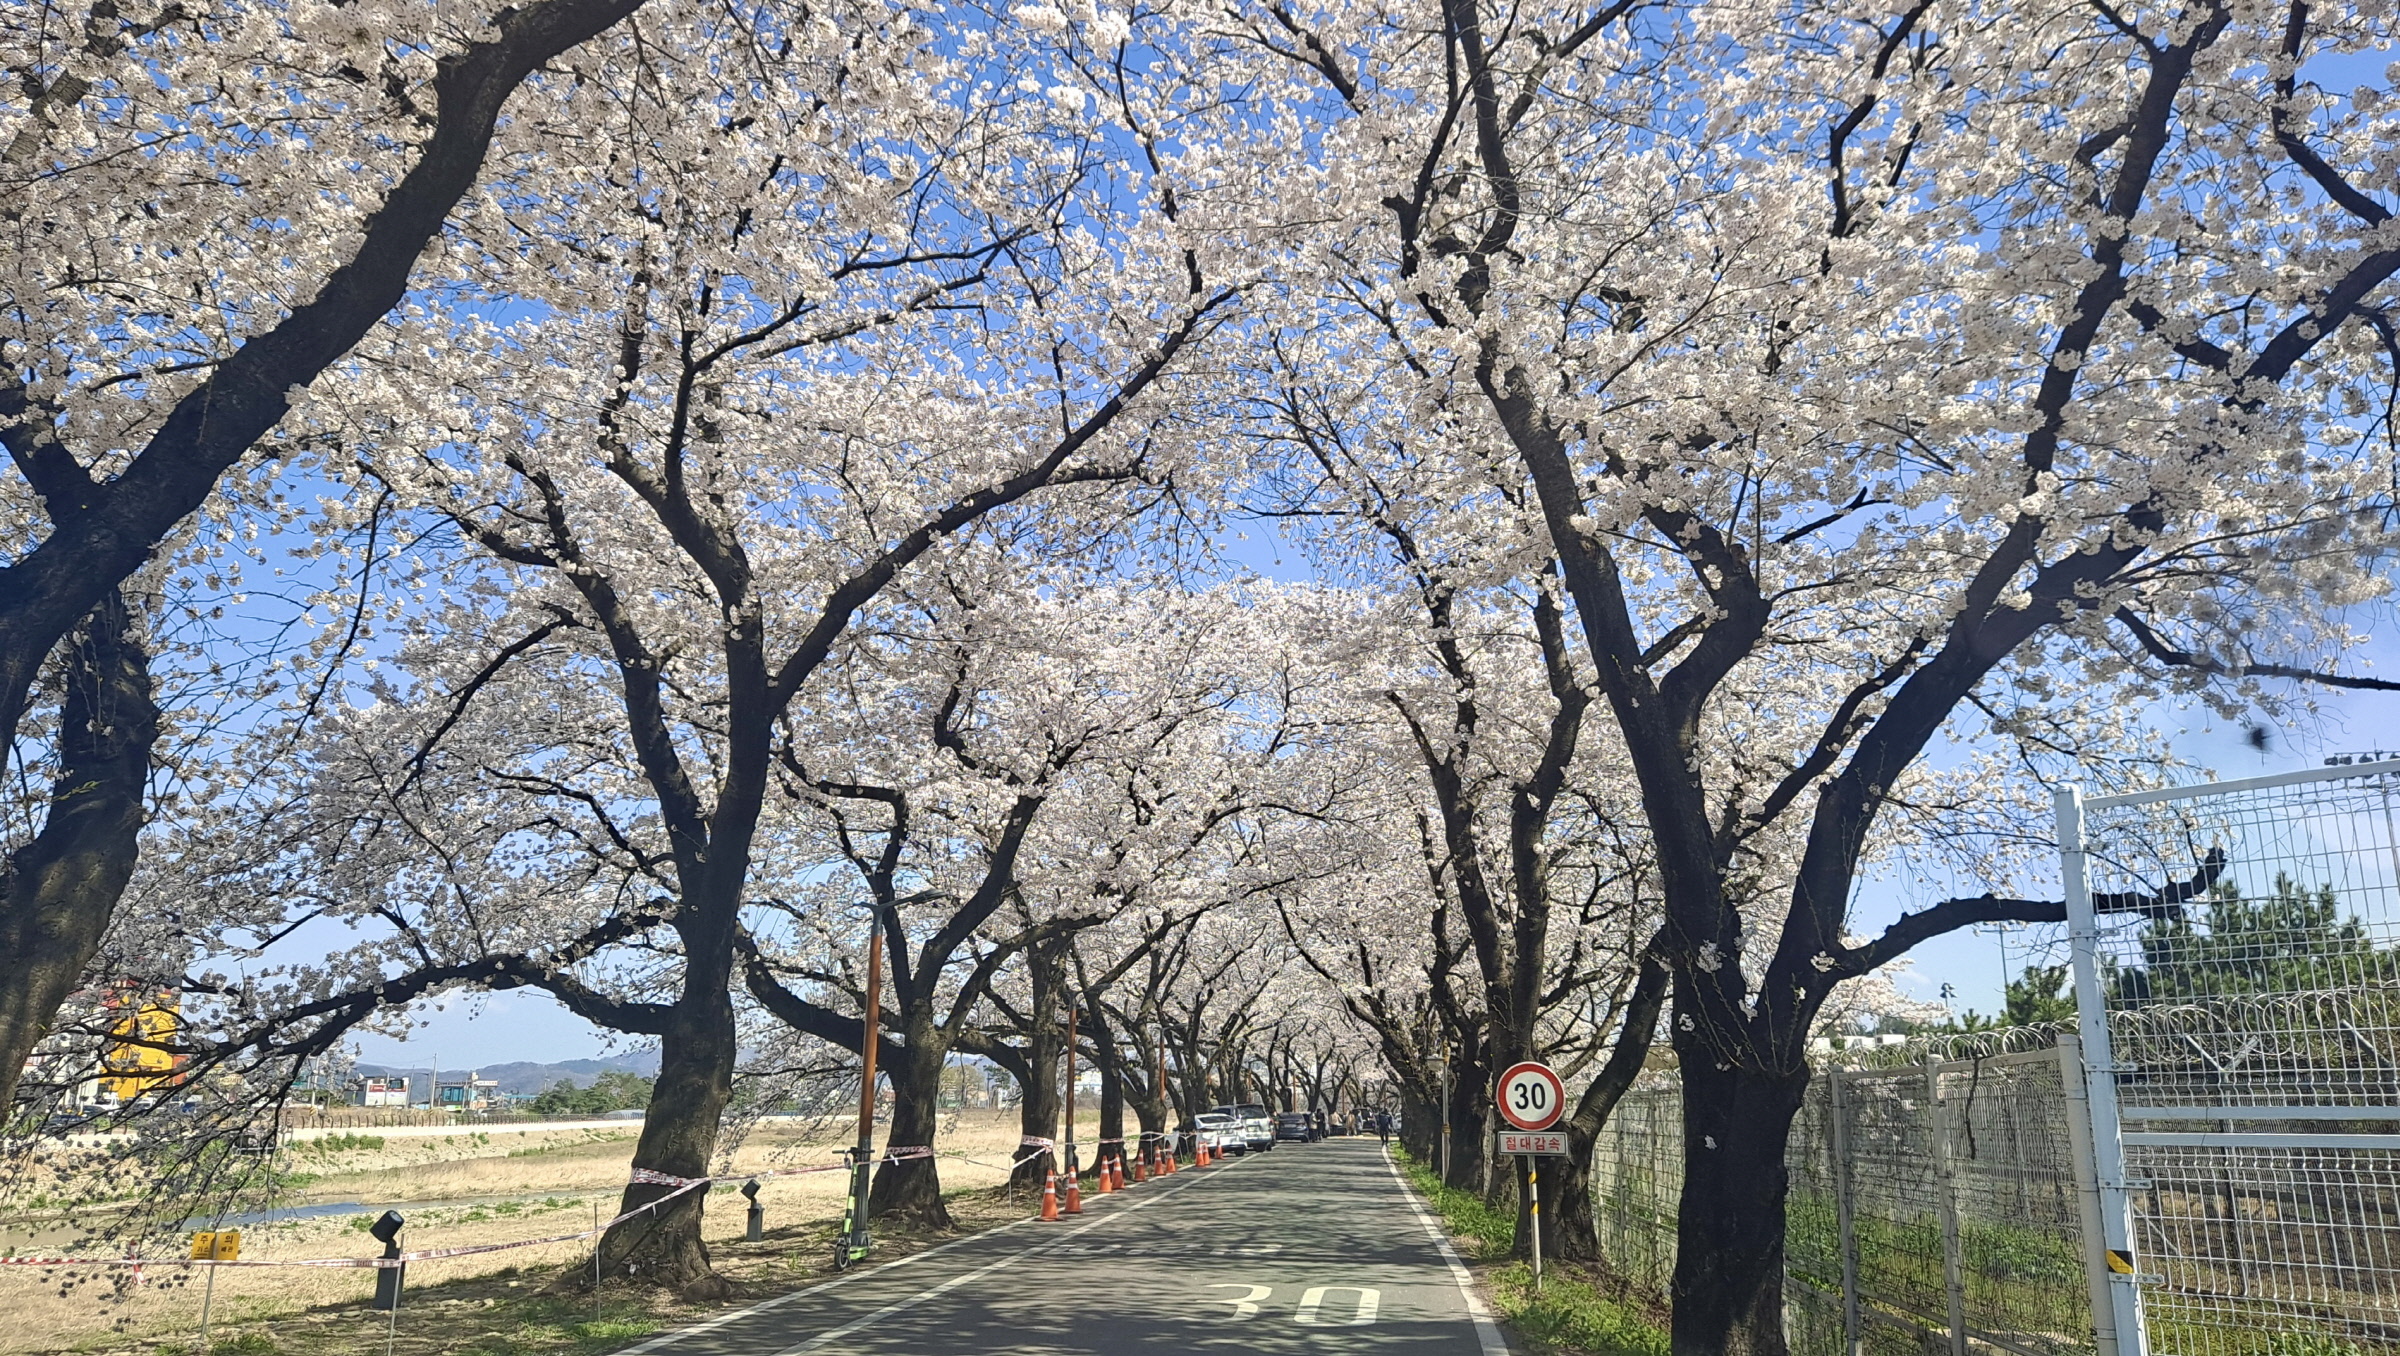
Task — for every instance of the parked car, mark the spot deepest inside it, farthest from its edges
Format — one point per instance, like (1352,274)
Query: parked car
(1258,1127)
(1219,1133)
(1297,1126)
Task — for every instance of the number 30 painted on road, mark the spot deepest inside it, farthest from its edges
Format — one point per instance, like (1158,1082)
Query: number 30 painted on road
(1370,1302)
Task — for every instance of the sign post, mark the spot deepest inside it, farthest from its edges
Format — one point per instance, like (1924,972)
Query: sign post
(1532,1098)
(221,1245)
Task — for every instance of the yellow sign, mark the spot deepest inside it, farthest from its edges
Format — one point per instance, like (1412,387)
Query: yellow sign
(204,1246)
(223,1245)
(2120,1262)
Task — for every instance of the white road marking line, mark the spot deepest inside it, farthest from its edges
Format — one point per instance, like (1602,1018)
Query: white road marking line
(668,1339)
(963,1277)
(1486,1331)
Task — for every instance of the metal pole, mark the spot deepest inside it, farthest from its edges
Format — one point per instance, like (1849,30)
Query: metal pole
(1946,1199)
(2100,1083)
(1445,1121)
(1533,1190)
(2087,1195)
(863,1155)
(1845,1212)
(208,1298)
(1072,1165)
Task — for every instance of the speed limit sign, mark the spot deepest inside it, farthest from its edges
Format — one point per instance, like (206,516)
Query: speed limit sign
(1531,1097)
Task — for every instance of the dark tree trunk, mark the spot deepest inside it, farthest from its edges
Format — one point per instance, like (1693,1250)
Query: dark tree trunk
(911,1188)
(695,1076)
(58,892)
(1112,1089)
(1574,1234)
(1421,1128)
(1037,1116)
(1730,1222)
(1469,1080)
(1569,1231)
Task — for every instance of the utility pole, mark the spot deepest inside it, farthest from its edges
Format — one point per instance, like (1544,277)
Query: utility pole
(855,1238)
(1166,1109)
(1445,1116)
(1072,1166)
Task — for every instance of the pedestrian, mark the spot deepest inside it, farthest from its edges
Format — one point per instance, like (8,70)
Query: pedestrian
(1383,1125)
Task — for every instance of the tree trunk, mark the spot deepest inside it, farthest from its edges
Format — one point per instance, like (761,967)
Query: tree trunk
(1112,1092)
(1468,1144)
(1421,1128)
(1037,1114)
(911,1188)
(58,892)
(695,1076)
(1570,1233)
(1730,1223)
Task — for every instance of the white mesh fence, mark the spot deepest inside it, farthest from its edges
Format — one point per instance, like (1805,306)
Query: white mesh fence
(2247,958)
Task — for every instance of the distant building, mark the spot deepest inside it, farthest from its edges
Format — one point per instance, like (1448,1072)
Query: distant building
(129,1066)
(379,1090)
(470,1093)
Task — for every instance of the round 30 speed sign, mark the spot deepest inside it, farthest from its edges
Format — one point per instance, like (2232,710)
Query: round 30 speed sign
(1531,1097)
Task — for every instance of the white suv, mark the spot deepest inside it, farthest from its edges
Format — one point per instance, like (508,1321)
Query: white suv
(1257,1127)
(1219,1133)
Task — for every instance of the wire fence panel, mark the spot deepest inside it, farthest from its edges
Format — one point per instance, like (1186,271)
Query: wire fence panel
(1917,1226)
(2247,947)
(1637,1177)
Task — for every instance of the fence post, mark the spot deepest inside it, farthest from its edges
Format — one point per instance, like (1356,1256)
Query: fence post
(2100,1082)
(1845,1220)
(1953,1264)
(2087,1194)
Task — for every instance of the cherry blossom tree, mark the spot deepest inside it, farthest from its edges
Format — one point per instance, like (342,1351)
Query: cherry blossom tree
(207,206)
(962,770)
(1879,378)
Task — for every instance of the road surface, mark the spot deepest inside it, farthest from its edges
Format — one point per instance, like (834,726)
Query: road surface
(1313,1248)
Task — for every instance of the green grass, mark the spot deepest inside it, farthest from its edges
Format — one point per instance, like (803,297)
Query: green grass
(560,1327)
(1569,1315)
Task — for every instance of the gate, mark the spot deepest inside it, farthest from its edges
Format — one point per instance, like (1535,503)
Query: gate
(2238,992)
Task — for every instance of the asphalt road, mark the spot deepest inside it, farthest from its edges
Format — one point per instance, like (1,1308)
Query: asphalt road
(1313,1248)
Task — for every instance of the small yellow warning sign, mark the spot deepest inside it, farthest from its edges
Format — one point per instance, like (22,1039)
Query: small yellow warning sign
(2120,1262)
(204,1246)
(223,1245)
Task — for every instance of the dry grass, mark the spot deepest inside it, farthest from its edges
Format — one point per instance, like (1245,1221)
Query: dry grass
(497,1187)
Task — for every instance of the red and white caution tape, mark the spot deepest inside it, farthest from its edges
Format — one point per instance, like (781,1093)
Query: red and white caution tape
(642,1176)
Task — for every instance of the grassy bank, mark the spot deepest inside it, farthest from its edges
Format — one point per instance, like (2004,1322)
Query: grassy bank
(536,1310)
(461,1190)
(1572,1316)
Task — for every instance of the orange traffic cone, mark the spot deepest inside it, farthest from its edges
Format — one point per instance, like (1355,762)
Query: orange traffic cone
(1200,1158)
(1100,1179)
(1138,1179)
(1074,1205)
(1050,1198)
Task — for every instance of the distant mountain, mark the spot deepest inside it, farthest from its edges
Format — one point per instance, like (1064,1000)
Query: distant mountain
(523,1076)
